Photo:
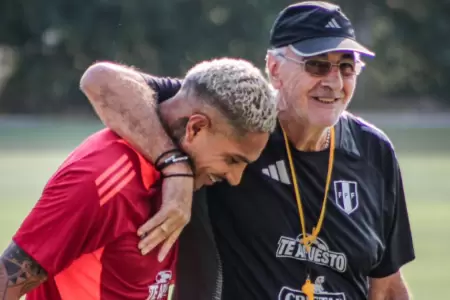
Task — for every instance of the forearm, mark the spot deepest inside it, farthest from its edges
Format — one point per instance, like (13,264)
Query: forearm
(390,288)
(126,104)
(391,294)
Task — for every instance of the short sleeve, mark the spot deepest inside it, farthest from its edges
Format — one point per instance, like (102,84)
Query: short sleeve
(78,207)
(55,231)
(399,249)
(165,87)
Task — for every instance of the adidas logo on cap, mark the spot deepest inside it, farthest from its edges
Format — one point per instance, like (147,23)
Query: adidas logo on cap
(333,24)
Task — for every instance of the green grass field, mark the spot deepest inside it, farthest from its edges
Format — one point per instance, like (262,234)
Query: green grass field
(30,154)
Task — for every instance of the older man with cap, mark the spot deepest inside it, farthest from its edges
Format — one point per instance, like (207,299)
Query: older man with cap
(322,213)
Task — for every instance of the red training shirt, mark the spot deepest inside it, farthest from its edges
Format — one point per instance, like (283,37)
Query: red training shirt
(82,230)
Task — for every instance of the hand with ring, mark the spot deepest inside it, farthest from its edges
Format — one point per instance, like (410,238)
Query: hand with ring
(166,225)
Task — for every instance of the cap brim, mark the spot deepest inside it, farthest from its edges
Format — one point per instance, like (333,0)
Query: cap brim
(317,46)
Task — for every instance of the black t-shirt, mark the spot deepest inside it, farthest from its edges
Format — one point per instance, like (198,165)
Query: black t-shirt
(164,87)
(256,225)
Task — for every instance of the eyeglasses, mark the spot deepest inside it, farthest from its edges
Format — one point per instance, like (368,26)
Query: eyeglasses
(318,67)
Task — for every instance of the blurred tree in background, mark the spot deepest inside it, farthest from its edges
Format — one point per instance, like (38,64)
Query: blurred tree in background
(46,45)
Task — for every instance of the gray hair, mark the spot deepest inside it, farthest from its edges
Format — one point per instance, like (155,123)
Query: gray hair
(278,54)
(278,51)
(238,90)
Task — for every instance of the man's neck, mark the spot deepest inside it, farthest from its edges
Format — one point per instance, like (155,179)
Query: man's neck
(167,114)
(303,136)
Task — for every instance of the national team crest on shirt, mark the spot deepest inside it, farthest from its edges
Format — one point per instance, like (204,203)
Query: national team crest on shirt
(346,195)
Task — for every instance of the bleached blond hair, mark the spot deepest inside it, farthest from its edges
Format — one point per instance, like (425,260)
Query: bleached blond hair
(238,90)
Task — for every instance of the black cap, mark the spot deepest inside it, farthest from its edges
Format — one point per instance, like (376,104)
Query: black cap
(314,28)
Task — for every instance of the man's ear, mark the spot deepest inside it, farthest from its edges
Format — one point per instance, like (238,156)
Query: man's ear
(197,124)
(273,68)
